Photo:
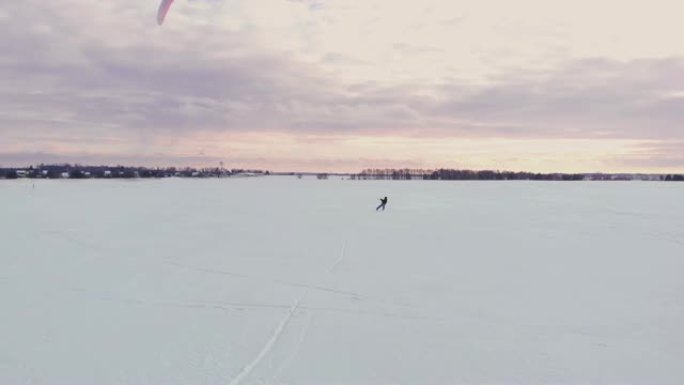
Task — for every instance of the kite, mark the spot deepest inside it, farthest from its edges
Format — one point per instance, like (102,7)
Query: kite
(163,10)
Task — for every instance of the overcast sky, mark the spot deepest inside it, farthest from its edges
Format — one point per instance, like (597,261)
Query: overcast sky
(341,85)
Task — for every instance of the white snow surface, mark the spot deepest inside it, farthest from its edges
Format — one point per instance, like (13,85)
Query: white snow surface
(279,280)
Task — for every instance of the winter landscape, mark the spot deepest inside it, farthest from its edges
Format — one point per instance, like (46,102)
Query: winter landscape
(190,191)
(280,280)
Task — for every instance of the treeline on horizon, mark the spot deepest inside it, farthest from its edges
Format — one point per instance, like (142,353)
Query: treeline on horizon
(68,171)
(453,174)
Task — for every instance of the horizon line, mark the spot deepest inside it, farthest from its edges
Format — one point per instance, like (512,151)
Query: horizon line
(395,169)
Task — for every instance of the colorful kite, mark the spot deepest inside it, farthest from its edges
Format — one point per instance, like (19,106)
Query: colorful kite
(163,10)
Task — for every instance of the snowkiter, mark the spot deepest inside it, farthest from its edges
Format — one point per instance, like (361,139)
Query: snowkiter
(383,202)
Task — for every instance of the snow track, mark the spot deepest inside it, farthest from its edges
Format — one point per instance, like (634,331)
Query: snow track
(247,369)
(268,346)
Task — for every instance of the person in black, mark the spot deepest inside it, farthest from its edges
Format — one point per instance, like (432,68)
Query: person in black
(383,202)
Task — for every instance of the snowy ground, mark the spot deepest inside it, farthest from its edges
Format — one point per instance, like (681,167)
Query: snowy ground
(285,281)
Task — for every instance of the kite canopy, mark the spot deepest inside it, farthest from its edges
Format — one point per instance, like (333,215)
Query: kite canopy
(163,10)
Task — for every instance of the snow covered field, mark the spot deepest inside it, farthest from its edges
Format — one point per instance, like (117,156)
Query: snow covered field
(278,280)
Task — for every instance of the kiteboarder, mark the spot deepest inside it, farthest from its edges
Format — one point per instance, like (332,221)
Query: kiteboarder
(383,202)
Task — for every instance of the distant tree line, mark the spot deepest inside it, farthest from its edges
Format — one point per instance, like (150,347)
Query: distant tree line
(452,174)
(68,171)
(62,171)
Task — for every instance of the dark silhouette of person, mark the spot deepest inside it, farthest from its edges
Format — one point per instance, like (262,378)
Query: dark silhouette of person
(383,202)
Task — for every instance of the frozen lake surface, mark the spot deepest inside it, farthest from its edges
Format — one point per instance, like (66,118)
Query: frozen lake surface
(278,280)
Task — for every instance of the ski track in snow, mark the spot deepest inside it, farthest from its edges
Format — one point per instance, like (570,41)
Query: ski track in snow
(274,281)
(294,351)
(673,238)
(277,333)
(205,270)
(247,369)
(227,306)
(74,240)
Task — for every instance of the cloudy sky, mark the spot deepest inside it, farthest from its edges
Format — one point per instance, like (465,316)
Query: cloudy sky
(341,85)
